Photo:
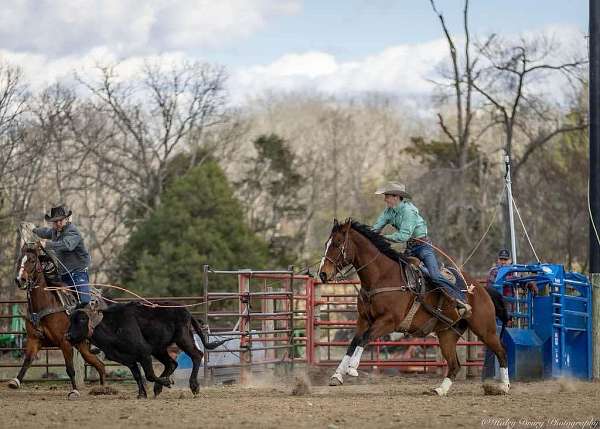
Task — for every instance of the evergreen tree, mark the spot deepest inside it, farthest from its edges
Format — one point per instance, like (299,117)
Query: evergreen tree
(198,222)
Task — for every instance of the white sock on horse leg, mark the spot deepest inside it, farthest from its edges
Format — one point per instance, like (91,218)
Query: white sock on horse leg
(444,387)
(355,361)
(343,366)
(504,376)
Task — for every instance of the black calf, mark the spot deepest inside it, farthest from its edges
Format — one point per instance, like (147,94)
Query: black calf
(132,333)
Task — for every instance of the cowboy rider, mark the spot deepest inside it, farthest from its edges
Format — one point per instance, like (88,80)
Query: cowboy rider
(66,243)
(412,229)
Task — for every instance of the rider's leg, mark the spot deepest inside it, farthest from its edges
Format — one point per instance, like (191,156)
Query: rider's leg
(80,282)
(425,253)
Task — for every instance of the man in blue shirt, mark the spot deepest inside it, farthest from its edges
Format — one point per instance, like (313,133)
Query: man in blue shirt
(66,243)
(412,229)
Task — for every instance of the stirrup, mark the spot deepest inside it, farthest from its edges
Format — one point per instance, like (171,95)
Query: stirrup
(464,310)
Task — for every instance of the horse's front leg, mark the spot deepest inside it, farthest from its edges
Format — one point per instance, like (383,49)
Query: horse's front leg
(381,326)
(337,378)
(67,351)
(31,349)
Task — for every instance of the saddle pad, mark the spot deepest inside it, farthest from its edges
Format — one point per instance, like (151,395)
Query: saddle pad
(456,279)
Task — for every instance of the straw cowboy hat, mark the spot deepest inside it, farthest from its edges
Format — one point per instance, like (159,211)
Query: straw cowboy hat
(393,188)
(57,213)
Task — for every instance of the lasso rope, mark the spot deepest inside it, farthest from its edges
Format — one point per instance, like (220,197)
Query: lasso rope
(470,287)
(144,302)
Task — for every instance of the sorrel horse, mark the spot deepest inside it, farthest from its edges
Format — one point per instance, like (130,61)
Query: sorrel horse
(47,320)
(386,304)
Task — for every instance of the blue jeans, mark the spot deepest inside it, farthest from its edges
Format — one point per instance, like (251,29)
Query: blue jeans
(425,253)
(80,280)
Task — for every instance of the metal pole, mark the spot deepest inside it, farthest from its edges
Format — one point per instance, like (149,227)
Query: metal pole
(594,185)
(511,219)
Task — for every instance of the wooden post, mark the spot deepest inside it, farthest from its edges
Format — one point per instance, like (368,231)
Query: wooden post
(79,365)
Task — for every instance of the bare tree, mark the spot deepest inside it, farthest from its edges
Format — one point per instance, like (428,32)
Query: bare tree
(460,206)
(512,83)
(150,119)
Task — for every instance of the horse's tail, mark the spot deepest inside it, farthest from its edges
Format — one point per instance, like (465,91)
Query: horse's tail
(499,307)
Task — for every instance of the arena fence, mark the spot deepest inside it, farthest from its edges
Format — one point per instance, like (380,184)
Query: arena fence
(276,319)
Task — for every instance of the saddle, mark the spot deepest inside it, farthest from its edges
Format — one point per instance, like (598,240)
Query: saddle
(449,273)
(418,281)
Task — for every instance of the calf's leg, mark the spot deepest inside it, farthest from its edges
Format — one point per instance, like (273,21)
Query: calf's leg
(170,367)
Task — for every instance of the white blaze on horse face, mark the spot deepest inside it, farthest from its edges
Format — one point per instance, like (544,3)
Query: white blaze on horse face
(22,269)
(326,250)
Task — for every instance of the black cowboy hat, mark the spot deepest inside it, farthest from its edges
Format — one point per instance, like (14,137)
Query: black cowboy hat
(57,213)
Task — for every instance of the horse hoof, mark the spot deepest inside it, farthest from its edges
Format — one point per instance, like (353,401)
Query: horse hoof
(14,383)
(336,380)
(352,372)
(438,391)
(73,395)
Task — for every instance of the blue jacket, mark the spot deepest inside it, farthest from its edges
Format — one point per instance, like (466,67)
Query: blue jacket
(68,246)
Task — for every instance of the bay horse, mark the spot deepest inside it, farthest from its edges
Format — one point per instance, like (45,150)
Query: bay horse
(47,321)
(387,305)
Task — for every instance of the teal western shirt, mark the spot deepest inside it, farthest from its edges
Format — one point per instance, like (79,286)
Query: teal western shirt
(405,218)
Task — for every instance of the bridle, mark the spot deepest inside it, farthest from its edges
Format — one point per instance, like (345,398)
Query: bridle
(31,282)
(339,266)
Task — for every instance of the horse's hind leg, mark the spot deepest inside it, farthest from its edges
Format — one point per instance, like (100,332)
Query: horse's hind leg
(492,341)
(448,339)
(488,336)
(31,350)
(338,376)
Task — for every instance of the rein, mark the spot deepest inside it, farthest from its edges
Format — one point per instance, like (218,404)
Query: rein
(33,282)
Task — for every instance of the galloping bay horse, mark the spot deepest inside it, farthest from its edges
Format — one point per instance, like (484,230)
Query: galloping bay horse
(386,303)
(47,320)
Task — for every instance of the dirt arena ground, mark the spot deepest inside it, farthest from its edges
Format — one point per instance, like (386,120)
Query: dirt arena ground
(369,402)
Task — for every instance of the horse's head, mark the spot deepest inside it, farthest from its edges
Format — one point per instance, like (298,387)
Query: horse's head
(30,266)
(339,251)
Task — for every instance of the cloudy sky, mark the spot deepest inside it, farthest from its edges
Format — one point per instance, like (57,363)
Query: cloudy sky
(335,46)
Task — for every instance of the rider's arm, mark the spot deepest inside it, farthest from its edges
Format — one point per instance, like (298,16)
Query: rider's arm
(407,227)
(42,232)
(382,221)
(67,241)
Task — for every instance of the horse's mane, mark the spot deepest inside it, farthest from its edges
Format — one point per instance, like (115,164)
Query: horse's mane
(376,239)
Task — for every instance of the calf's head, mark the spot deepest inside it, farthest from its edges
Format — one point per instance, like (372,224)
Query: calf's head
(79,328)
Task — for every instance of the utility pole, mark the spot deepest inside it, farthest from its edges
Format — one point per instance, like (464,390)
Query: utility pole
(511,217)
(594,185)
